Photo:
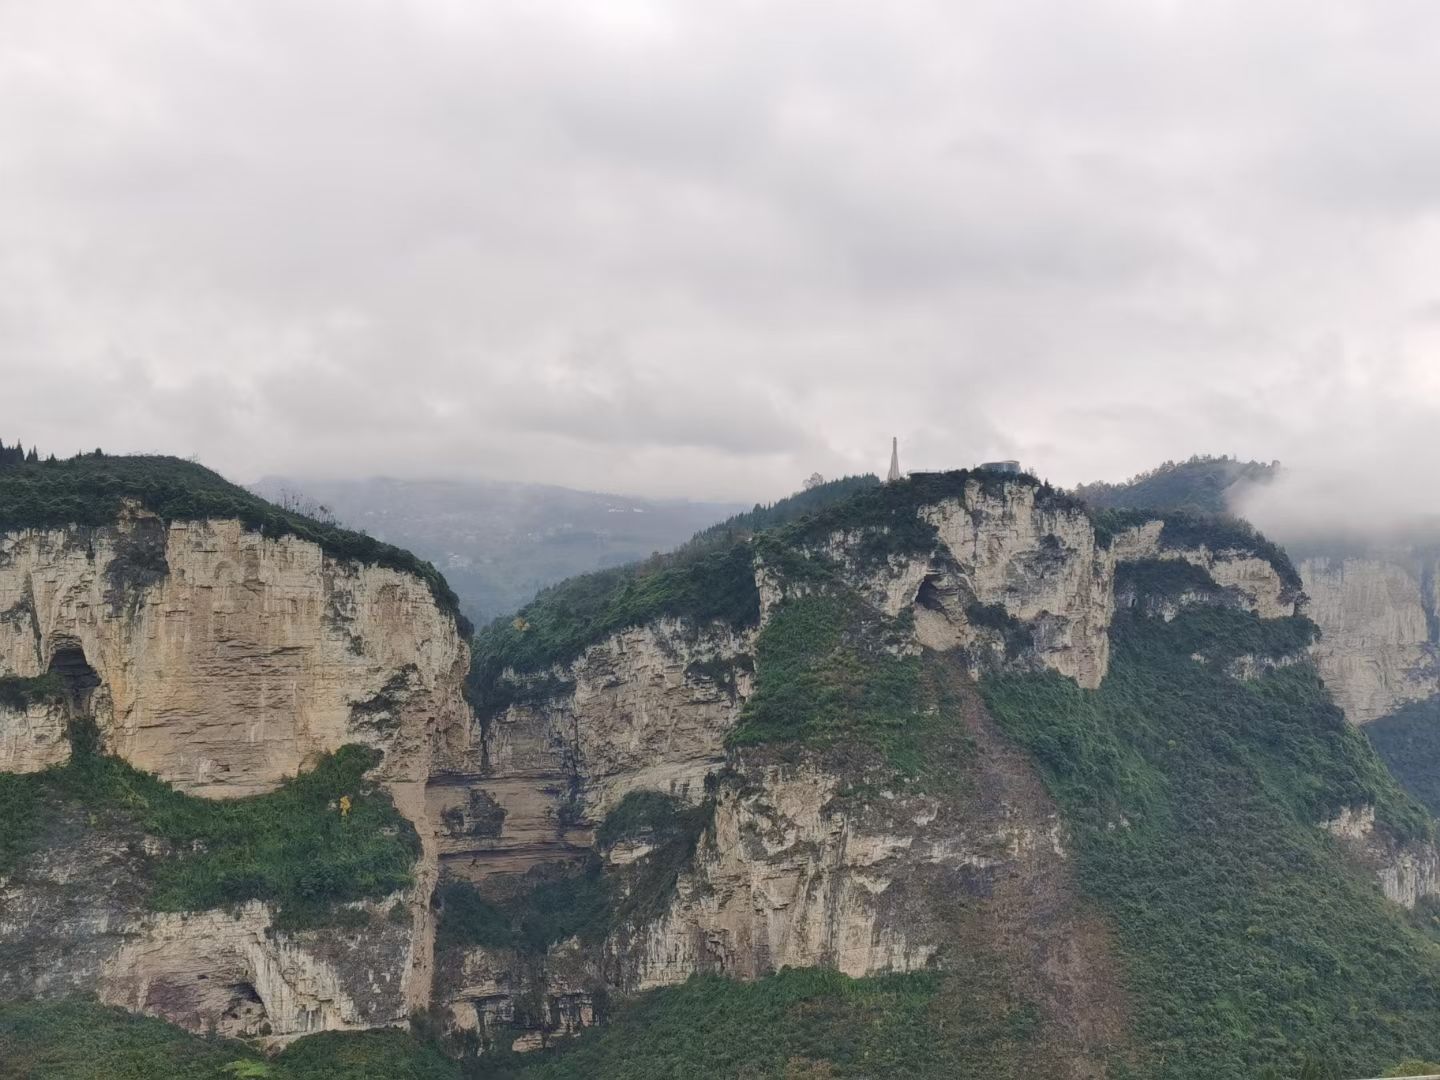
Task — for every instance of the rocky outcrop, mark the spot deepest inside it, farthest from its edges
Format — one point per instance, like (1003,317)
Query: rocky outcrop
(645,709)
(1379,643)
(514,1000)
(227,660)
(1407,870)
(1040,567)
(74,920)
(32,736)
(798,869)
(223,661)
(795,870)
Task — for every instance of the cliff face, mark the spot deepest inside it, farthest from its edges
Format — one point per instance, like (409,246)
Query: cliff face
(645,709)
(74,921)
(815,859)
(1408,870)
(1379,644)
(1042,568)
(222,661)
(225,661)
(32,736)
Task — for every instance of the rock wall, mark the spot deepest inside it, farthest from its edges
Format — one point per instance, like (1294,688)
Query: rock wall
(1044,567)
(228,661)
(33,738)
(645,709)
(222,661)
(1408,870)
(797,870)
(1379,641)
(74,920)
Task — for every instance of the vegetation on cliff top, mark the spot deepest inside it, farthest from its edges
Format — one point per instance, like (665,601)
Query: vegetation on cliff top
(1201,485)
(712,578)
(1195,802)
(565,619)
(291,847)
(92,489)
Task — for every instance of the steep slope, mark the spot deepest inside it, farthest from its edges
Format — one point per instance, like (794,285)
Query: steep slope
(1379,642)
(168,639)
(954,777)
(861,812)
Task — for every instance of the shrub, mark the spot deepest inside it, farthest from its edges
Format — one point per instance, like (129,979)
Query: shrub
(290,847)
(1194,802)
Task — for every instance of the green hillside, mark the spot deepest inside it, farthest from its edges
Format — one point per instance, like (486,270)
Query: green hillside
(1200,484)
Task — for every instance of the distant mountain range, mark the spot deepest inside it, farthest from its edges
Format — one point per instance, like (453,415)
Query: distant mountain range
(498,543)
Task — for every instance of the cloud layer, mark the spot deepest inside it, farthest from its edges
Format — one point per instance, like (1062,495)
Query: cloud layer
(691,248)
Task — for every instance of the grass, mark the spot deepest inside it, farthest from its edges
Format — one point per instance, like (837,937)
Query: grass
(807,1024)
(546,906)
(91,490)
(1194,802)
(826,673)
(829,675)
(81,1040)
(797,1024)
(290,847)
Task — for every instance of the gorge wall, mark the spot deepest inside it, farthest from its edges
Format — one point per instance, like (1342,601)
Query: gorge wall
(223,661)
(793,866)
(1380,629)
(608,819)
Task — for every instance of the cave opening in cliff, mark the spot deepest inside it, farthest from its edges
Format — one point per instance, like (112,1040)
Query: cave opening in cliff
(929,596)
(78,680)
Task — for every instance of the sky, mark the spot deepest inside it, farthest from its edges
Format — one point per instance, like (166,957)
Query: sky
(694,248)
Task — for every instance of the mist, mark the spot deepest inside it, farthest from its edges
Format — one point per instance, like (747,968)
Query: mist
(681,249)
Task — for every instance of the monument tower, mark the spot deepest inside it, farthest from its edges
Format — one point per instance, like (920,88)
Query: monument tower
(894,461)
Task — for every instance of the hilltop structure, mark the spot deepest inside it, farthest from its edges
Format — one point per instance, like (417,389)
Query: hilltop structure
(1008,466)
(894,473)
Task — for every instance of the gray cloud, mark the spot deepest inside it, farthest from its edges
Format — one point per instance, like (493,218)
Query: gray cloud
(686,248)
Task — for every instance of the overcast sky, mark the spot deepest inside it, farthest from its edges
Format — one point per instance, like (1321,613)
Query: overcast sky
(709,247)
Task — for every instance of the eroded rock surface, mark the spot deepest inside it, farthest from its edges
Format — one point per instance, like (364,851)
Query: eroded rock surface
(1380,630)
(74,920)
(33,737)
(1408,870)
(227,660)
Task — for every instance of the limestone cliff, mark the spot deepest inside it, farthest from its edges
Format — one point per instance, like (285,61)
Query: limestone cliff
(816,859)
(32,736)
(1408,871)
(1380,629)
(74,920)
(1039,566)
(222,660)
(226,660)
